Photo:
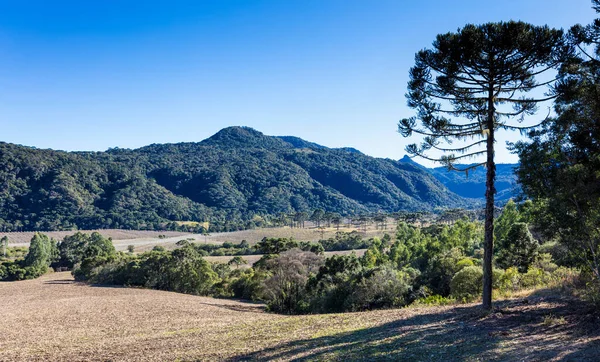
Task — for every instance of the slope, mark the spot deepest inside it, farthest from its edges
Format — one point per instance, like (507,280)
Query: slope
(226,179)
(54,318)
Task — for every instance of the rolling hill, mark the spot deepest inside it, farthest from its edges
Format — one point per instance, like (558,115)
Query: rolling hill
(54,318)
(231,177)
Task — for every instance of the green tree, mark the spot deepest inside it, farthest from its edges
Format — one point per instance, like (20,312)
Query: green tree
(40,256)
(510,215)
(464,88)
(317,216)
(237,261)
(4,242)
(518,248)
(336,219)
(559,166)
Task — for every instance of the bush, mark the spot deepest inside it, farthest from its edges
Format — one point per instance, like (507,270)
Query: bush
(433,300)
(285,290)
(467,284)
(510,280)
(463,263)
(381,288)
(533,278)
(519,249)
(497,278)
(248,284)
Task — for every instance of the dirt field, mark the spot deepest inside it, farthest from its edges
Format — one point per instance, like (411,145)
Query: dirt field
(146,240)
(56,319)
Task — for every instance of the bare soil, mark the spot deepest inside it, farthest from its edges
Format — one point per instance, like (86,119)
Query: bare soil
(56,319)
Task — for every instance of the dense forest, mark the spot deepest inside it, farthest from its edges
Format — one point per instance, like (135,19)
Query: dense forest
(229,178)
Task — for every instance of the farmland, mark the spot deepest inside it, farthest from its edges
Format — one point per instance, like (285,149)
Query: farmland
(55,318)
(146,240)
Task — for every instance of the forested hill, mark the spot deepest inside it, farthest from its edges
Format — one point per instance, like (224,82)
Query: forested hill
(473,185)
(228,178)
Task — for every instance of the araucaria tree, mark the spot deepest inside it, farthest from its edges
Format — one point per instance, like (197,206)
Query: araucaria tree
(473,83)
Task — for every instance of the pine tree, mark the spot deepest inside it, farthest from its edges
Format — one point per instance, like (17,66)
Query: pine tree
(472,84)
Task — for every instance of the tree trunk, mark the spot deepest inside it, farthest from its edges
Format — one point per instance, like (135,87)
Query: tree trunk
(490,190)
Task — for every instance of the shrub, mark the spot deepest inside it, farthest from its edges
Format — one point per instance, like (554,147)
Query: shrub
(519,249)
(463,263)
(248,284)
(467,284)
(433,300)
(533,278)
(384,287)
(510,280)
(284,291)
(497,278)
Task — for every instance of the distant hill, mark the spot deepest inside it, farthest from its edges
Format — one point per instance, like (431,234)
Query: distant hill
(231,177)
(473,185)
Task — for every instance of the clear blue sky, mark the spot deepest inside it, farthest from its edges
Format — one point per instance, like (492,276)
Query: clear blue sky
(88,75)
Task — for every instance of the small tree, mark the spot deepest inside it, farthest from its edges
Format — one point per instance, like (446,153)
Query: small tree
(518,249)
(510,215)
(336,219)
(40,255)
(237,261)
(4,242)
(317,216)
(471,84)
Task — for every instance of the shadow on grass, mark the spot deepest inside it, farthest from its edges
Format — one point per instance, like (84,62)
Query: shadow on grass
(59,282)
(515,330)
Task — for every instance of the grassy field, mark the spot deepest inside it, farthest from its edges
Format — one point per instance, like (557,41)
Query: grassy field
(146,240)
(116,234)
(54,318)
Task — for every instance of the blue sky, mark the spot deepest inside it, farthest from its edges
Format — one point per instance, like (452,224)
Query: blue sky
(89,75)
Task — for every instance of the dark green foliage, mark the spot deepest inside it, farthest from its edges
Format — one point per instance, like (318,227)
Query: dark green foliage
(518,248)
(275,245)
(182,270)
(559,167)
(383,287)
(227,179)
(41,254)
(345,241)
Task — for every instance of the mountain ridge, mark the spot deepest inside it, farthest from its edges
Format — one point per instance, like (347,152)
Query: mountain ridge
(473,185)
(229,178)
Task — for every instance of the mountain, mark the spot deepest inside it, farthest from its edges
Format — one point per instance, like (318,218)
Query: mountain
(229,178)
(473,184)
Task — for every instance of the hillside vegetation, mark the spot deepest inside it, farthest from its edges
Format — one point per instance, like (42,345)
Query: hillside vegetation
(228,179)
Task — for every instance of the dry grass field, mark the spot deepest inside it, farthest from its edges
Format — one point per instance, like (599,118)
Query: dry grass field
(146,240)
(56,319)
(23,238)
